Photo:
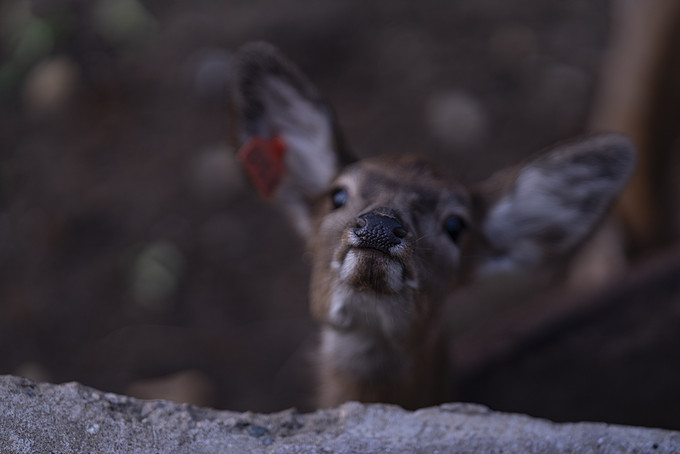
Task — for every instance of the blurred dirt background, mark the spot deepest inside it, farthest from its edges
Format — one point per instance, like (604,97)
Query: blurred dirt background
(133,255)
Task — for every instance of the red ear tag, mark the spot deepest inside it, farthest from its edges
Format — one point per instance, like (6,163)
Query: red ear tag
(263,160)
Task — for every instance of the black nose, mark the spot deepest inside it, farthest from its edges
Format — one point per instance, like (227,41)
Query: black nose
(379,232)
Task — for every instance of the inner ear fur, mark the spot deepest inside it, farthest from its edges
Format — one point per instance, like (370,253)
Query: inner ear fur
(542,210)
(271,98)
(253,64)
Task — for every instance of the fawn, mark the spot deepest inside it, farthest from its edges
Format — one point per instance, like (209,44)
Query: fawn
(391,237)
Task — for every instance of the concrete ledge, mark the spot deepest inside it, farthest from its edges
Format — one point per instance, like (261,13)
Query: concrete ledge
(71,418)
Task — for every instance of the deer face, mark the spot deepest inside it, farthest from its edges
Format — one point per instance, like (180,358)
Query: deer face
(386,232)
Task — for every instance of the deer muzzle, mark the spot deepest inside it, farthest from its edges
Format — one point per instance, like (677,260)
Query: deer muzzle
(377,254)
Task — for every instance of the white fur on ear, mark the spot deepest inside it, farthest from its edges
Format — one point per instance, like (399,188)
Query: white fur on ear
(311,161)
(556,201)
(276,106)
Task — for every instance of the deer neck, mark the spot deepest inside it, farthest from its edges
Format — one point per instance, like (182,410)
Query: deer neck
(369,354)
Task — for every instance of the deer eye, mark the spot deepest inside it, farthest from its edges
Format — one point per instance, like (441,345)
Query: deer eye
(339,197)
(454,226)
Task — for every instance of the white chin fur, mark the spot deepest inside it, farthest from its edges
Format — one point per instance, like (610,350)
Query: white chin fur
(350,307)
(390,315)
(394,272)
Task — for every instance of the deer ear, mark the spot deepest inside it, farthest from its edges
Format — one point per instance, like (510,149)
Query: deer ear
(285,131)
(541,211)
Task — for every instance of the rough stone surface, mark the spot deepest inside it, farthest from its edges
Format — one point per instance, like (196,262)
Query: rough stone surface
(71,418)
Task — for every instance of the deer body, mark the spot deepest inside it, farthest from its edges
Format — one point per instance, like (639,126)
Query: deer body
(391,237)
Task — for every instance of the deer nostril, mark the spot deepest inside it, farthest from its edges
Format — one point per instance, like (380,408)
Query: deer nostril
(399,232)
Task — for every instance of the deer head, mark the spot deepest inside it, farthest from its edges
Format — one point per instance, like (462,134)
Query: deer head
(392,236)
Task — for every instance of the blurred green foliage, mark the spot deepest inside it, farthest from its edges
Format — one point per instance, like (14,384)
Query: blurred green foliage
(122,22)
(27,37)
(156,272)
